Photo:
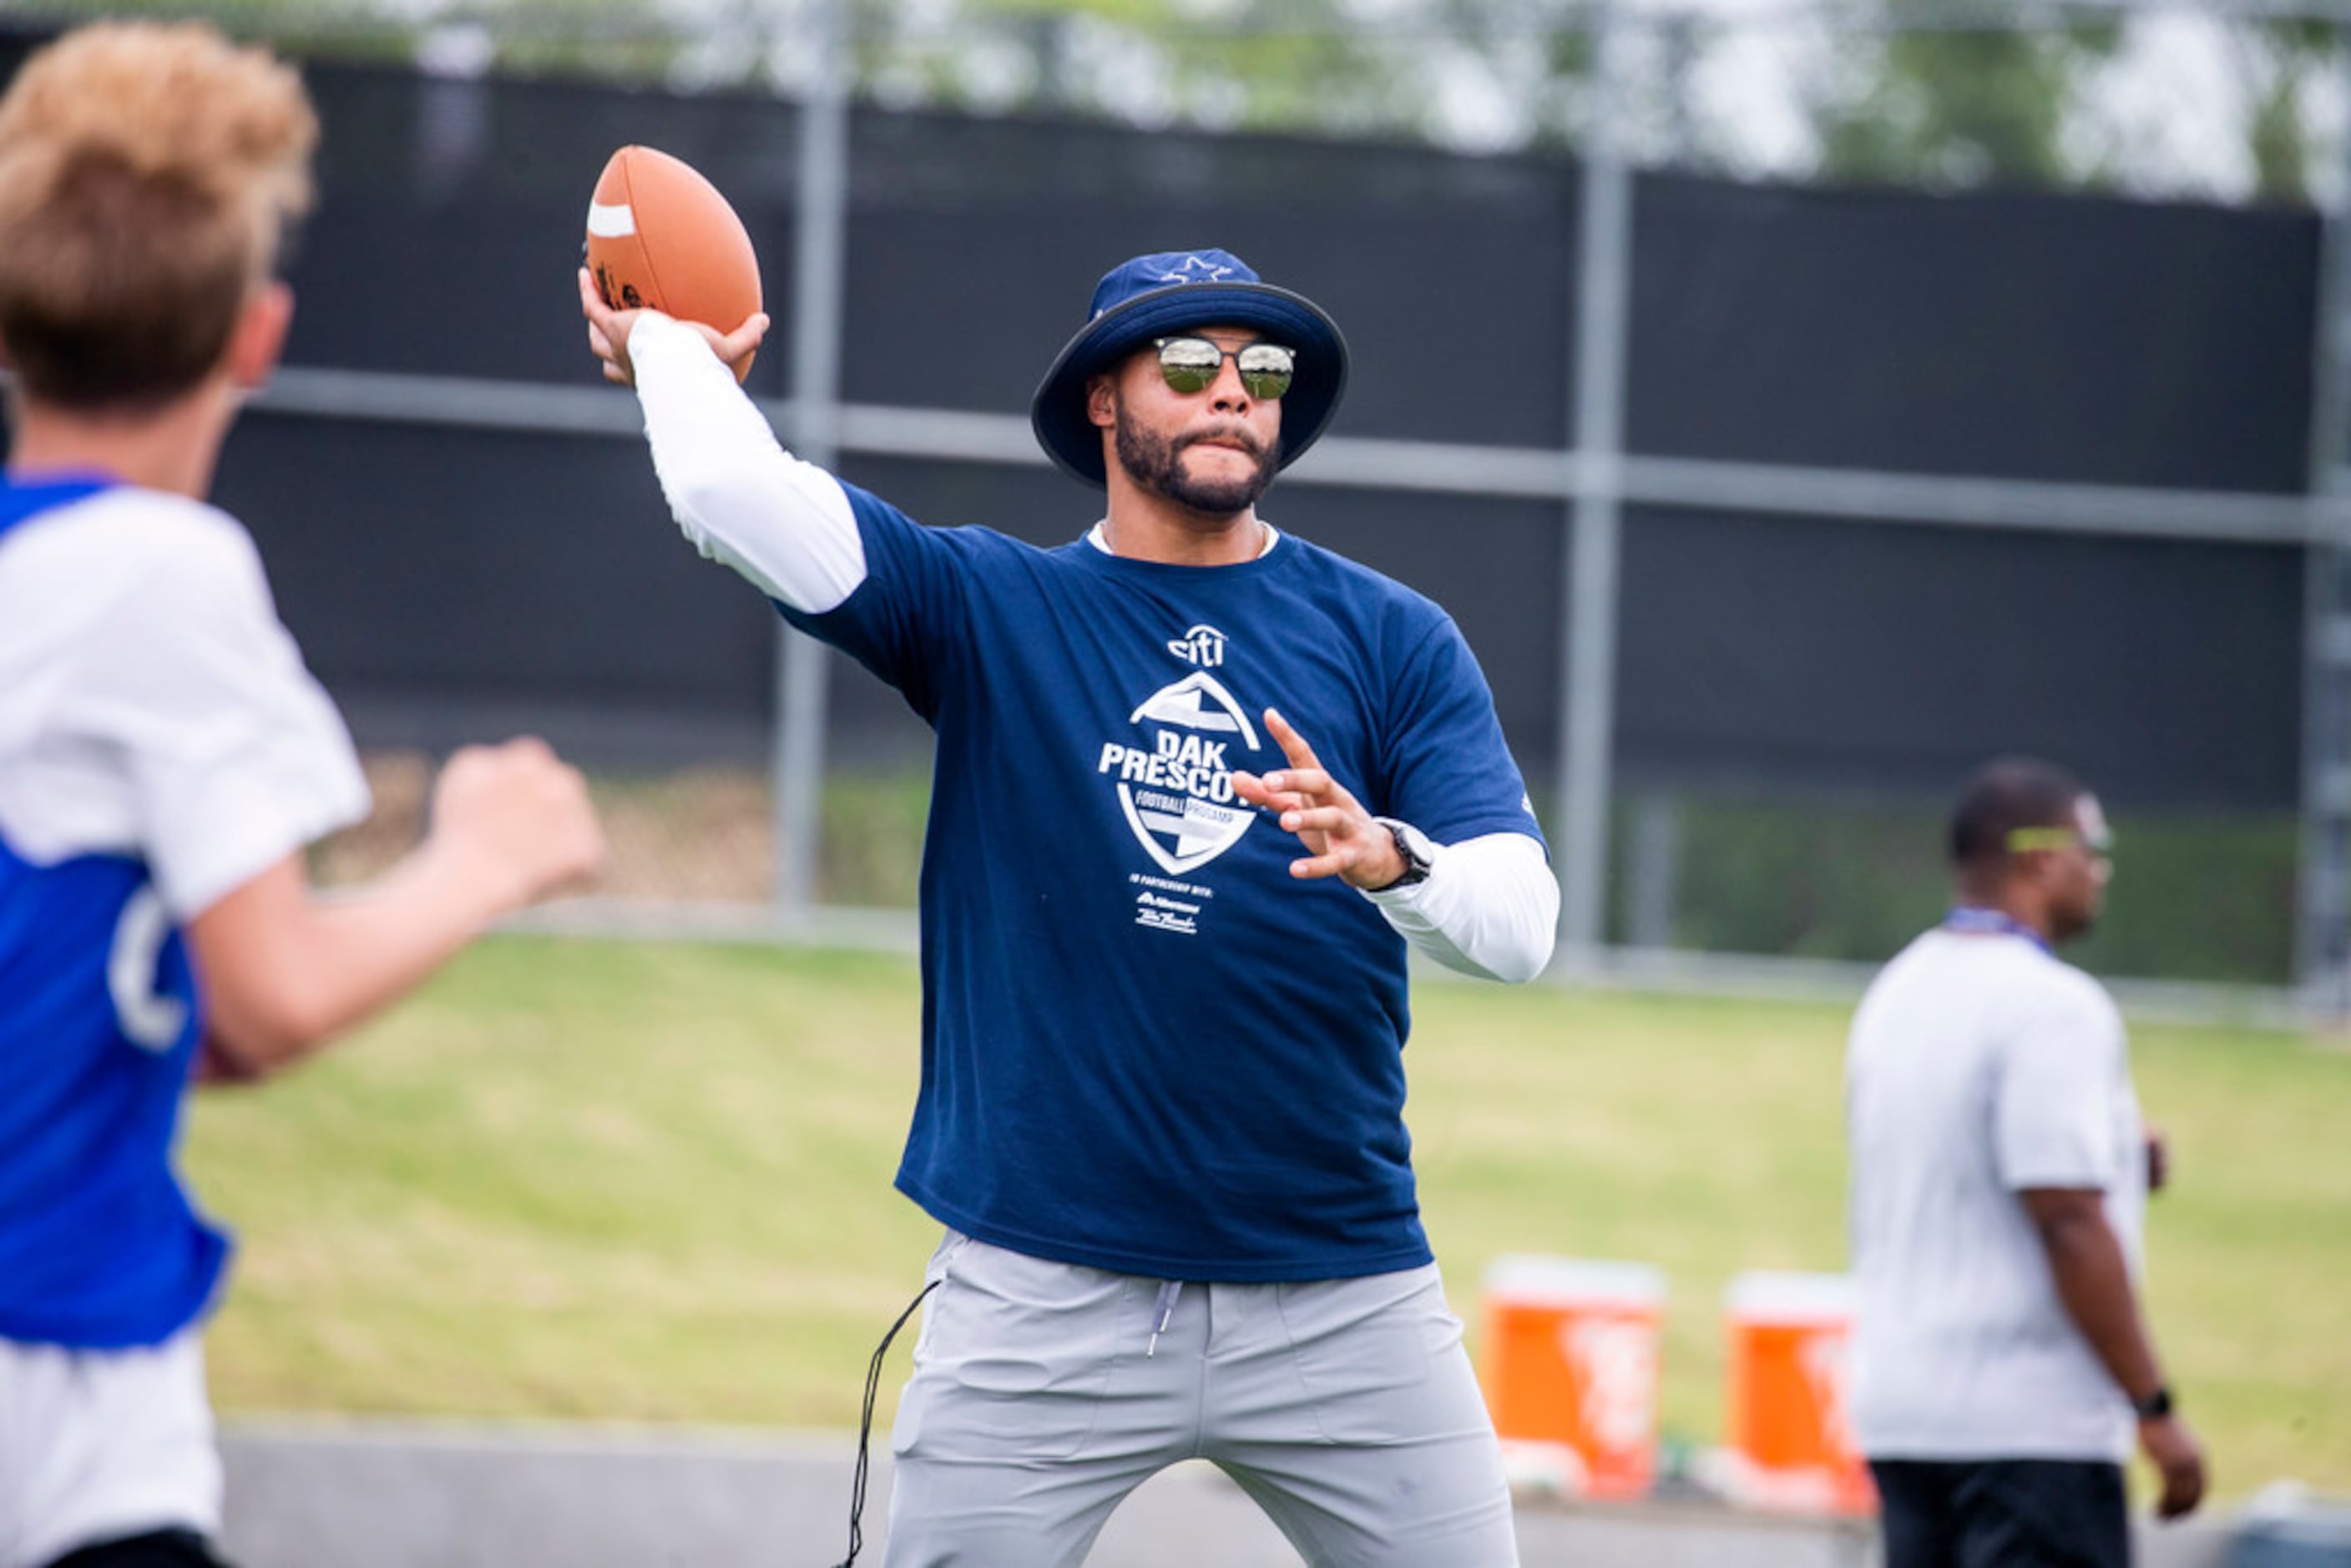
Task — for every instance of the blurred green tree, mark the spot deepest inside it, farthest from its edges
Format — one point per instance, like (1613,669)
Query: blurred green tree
(2278,61)
(1939,93)
(1274,64)
(1924,100)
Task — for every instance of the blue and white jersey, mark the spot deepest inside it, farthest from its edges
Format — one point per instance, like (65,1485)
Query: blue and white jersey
(1147,1046)
(160,743)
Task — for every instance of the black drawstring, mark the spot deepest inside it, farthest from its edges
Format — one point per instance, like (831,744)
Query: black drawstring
(865,1427)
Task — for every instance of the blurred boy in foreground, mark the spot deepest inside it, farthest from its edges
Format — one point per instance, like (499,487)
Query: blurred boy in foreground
(165,759)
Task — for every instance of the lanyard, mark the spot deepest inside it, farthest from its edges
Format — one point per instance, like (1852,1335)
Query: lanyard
(1976,921)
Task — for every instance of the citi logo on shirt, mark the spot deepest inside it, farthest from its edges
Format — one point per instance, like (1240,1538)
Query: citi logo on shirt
(1202,645)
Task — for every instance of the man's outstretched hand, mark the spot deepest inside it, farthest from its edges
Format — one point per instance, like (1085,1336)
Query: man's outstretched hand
(1339,836)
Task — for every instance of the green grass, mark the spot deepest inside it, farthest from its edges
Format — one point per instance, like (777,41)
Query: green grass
(619,1181)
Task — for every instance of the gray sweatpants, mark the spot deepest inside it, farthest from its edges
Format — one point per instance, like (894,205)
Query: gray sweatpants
(1043,1393)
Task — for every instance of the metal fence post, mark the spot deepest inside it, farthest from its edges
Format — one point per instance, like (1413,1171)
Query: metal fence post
(1588,679)
(1653,870)
(821,224)
(2322,912)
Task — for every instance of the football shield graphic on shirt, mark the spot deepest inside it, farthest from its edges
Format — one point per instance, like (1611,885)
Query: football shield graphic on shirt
(1176,789)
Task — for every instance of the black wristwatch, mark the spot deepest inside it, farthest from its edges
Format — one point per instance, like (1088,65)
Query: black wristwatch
(2156,1406)
(1413,845)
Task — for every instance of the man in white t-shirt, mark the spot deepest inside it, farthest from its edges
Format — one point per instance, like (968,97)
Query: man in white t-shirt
(165,759)
(1998,1176)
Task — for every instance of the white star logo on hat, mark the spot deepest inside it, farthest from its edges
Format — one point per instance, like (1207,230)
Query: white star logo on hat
(1194,270)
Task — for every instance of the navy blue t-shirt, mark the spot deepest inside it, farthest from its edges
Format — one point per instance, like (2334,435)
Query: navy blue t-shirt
(1147,1046)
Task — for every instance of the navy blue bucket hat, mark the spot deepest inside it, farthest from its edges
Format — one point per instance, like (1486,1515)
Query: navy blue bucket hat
(1181,291)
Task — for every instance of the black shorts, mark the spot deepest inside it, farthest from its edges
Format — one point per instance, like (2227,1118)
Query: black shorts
(161,1549)
(2003,1513)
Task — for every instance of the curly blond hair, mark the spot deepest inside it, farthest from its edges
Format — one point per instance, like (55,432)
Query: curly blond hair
(146,174)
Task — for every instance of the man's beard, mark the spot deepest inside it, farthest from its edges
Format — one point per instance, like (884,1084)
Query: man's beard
(2072,924)
(1156,463)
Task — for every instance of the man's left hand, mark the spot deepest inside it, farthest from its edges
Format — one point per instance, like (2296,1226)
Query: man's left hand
(2178,1461)
(1339,836)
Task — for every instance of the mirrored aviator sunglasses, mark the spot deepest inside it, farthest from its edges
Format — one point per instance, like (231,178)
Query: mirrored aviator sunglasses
(1190,365)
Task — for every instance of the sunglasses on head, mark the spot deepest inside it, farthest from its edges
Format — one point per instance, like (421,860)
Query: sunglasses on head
(1191,365)
(2024,839)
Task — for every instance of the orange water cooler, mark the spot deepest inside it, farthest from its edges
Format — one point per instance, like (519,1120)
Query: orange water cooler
(1790,1444)
(1570,1372)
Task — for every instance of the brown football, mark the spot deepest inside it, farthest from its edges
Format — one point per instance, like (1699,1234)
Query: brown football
(661,235)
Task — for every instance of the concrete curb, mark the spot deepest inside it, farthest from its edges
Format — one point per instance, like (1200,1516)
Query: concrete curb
(347,1493)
